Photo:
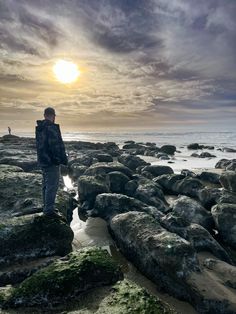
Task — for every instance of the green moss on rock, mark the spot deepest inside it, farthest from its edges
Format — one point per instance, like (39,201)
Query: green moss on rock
(33,236)
(128,297)
(65,278)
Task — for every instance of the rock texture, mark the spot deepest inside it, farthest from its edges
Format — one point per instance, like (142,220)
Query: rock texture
(65,279)
(33,236)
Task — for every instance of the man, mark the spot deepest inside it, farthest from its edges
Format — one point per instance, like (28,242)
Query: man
(51,154)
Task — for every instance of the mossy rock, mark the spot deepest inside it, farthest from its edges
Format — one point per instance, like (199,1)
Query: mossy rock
(66,278)
(127,297)
(33,236)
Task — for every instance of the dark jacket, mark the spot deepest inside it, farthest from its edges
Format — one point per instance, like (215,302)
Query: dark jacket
(50,147)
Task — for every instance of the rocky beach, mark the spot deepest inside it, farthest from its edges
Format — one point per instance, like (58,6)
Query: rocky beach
(167,212)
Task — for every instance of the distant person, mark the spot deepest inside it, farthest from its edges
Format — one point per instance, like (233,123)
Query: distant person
(9,130)
(51,154)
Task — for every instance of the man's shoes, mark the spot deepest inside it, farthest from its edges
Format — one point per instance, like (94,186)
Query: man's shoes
(55,215)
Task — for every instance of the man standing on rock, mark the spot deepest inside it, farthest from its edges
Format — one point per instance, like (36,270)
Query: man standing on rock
(51,154)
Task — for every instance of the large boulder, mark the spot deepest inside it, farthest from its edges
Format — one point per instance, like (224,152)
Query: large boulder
(66,278)
(226,197)
(179,184)
(171,262)
(76,170)
(232,165)
(11,138)
(163,256)
(132,162)
(222,163)
(198,236)
(225,219)
(103,157)
(151,193)
(158,170)
(209,196)
(117,181)
(228,180)
(90,186)
(131,187)
(192,211)
(108,205)
(128,297)
(81,160)
(104,168)
(168,149)
(203,241)
(33,236)
(210,177)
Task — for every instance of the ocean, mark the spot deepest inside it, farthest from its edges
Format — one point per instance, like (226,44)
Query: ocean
(218,139)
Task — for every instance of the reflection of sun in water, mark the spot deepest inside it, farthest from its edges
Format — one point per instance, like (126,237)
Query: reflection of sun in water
(65,71)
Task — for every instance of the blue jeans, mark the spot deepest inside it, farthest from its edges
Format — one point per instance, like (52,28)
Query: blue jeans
(51,176)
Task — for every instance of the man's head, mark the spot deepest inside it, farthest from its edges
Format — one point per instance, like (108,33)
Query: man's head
(50,114)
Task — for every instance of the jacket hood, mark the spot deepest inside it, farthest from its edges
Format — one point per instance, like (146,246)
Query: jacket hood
(41,124)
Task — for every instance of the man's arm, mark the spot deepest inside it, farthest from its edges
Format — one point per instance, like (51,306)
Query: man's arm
(55,146)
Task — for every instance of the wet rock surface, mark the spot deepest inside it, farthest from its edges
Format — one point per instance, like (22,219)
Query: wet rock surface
(225,219)
(65,278)
(192,211)
(228,180)
(132,162)
(33,236)
(104,168)
(166,257)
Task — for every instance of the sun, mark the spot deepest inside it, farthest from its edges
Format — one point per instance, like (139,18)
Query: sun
(65,71)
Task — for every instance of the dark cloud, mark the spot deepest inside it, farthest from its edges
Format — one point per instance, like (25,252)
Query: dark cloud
(23,31)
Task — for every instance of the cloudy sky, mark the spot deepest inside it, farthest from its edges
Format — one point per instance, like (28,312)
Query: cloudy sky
(144,63)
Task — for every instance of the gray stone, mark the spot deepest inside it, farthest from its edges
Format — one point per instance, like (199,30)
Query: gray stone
(132,162)
(117,181)
(228,180)
(33,236)
(192,211)
(225,219)
(158,170)
(90,186)
(104,168)
(168,149)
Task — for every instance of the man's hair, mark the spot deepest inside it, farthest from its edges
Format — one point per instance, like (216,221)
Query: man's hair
(49,111)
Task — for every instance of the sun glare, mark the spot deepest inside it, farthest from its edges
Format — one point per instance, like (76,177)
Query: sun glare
(65,71)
